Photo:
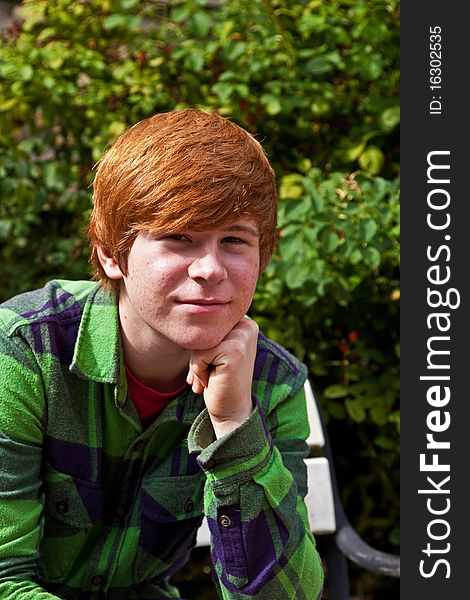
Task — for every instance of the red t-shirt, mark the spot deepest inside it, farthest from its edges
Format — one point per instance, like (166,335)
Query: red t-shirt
(148,402)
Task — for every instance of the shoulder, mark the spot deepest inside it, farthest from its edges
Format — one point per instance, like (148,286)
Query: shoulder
(271,352)
(59,301)
(46,320)
(277,373)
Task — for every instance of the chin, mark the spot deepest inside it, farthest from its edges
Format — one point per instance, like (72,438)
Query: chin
(200,344)
(201,341)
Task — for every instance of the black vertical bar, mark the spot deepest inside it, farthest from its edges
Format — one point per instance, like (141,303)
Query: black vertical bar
(435,257)
(338,574)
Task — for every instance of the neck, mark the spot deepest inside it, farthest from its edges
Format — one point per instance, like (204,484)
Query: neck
(162,367)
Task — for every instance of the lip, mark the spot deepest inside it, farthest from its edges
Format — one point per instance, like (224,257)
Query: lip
(203,305)
(203,301)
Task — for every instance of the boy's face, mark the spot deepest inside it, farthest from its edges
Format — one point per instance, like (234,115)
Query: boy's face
(189,289)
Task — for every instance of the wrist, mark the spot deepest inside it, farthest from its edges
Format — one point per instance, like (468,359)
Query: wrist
(223,426)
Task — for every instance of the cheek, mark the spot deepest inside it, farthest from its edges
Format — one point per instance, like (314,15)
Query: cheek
(156,274)
(247,278)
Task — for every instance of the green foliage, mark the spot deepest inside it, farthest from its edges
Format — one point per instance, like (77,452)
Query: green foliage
(317,82)
(331,294)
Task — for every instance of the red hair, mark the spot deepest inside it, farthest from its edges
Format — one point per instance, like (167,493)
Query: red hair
(180,170)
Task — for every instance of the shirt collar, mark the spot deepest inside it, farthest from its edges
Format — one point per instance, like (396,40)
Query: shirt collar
(97,354)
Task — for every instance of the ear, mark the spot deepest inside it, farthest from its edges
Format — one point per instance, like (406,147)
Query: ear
(109,264)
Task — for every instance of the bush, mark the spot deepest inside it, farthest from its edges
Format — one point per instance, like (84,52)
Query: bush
(317,83)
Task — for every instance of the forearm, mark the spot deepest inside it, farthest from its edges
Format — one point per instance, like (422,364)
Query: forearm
(278,558)
(19,526)
(262,546)
(21,403)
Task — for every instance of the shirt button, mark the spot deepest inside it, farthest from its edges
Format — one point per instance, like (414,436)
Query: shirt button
(119,512)
(62,507)
(97,579)
(189,506)
(225,521)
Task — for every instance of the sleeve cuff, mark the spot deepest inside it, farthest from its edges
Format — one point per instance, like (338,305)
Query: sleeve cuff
(238,455)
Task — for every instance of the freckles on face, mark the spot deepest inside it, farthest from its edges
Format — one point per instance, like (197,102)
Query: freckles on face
(148,283)
(191,291)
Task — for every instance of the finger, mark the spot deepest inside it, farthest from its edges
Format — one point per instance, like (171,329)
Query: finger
(201,370)
(198,387)
(190,377)
(203,378)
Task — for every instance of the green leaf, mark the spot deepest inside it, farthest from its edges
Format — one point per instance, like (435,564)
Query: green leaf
(272,104)
(25,73)
(371,257)
(297,275)
(390,118)
(290,187)
(372,66)
(336,391)
(318,66)
(196,60)
(355,410)
(180,13)
(309,22)
(318,203)
(202,23)
(378,415)
(52,176)
(355,256)
(112,21)
(235,50)
(48,82)
(354,152)
(290,248)
(116,128)
(127,4)
(298,210)
(292,228)
(223,90)
(6,105)
(394,417)
(367,229)
(372,160)
(384,442)
(329,240)
(394,536)
(311,235)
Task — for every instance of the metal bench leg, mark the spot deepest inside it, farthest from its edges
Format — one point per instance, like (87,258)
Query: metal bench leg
(337,576)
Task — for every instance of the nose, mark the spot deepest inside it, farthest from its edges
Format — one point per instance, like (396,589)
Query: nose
(209,266)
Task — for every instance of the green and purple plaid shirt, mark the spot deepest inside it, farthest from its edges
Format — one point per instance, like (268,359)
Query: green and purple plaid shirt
(93,506)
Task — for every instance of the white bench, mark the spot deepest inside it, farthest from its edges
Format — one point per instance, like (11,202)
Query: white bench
(326,514)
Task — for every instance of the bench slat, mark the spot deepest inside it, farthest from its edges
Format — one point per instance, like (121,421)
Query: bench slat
(316,438)
(319,498)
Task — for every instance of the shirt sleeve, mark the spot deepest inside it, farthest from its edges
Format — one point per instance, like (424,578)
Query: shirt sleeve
(256,481)
(21,426)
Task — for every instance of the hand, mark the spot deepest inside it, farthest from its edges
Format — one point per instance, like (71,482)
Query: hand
(224,374)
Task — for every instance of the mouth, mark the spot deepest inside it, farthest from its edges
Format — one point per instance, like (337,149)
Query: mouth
(203,301)
(203,305)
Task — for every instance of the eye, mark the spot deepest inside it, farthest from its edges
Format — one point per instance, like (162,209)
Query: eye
(177,237)
(233,240)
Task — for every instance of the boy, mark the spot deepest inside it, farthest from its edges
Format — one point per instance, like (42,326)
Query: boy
(132,405)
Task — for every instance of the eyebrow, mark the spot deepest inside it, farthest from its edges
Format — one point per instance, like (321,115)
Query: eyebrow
(246,228)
